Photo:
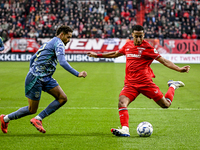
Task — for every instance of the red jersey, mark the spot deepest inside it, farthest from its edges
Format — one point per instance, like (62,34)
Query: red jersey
(138,61)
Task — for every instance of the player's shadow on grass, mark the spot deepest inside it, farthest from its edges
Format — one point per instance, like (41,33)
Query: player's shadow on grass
(52,135)
(97,134)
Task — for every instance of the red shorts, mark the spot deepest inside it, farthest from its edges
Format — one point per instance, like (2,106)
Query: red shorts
(150,90)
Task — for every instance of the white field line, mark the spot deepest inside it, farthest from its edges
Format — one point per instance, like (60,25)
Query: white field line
(107,108)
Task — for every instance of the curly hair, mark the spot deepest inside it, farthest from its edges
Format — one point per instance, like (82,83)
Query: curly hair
(63,28)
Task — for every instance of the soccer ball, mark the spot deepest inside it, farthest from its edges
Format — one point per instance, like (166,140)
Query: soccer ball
(144,129)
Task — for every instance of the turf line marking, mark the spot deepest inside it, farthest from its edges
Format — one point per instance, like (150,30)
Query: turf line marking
(101,108)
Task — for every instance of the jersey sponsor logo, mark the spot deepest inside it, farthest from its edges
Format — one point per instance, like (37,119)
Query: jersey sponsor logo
(141,48)
(133,55)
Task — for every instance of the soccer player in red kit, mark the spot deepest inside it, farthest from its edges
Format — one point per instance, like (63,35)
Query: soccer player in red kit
(139,56)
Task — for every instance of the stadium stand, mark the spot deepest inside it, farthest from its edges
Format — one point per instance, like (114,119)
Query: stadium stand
(100,18)
(172,19)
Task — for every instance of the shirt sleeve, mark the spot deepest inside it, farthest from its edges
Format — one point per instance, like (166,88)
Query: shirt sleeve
(60,53)
(1,45)
(1,48)
(66,65)
(122,50)
(60,49)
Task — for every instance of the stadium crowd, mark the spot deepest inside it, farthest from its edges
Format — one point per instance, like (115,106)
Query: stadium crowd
(177,20)
(98,19)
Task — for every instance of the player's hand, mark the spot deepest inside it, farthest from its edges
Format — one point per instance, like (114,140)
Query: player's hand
(92,54)
(185,69)
(82,74)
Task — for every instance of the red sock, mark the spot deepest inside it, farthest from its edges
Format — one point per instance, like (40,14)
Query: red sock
(124,116)
(170,94)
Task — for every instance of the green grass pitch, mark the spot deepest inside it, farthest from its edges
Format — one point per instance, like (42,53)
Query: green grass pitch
(84,122)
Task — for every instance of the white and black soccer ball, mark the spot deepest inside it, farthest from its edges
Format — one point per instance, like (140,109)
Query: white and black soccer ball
(144,129)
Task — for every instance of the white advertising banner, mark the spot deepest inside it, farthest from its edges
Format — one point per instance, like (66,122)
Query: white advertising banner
(175,58)
(183,58)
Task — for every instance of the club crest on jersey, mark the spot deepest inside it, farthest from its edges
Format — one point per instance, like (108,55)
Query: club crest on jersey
(37,94)
(140,50)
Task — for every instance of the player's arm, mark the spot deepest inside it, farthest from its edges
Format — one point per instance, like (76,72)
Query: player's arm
(66,66)
(105,55)
(171,65)
(1,45)
(2,48)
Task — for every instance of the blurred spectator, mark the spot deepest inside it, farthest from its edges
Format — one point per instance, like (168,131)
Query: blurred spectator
(75,33)
(4,35)
(32,8)
(184,35)
(198,31)
(33,33)
(194,35)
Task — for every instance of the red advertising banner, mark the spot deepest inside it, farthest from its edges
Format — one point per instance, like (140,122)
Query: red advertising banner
(24,45)
(97,45)
(182,46)
(75,46)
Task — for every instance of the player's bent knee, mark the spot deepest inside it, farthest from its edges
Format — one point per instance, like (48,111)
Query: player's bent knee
(123,101)
(63,99)
(122,104)
(163,103)
(32,110)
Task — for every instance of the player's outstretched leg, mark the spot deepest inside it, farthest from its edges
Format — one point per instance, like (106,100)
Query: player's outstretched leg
(173,85)
(38,125)
(4,125)
(176,84)
(120,132)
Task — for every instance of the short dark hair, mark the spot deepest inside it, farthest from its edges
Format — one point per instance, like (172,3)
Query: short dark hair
(63,28)
(137,28)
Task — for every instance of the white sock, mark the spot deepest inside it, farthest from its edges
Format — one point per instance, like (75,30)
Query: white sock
(173,86)
(125,128)
(6,119)
(38,118)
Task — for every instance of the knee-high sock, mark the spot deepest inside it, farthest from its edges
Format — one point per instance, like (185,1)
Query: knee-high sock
(170,94)
(24,111)
(51,108)
(124,116)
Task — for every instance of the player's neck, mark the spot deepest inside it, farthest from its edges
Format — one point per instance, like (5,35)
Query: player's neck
(137,44)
